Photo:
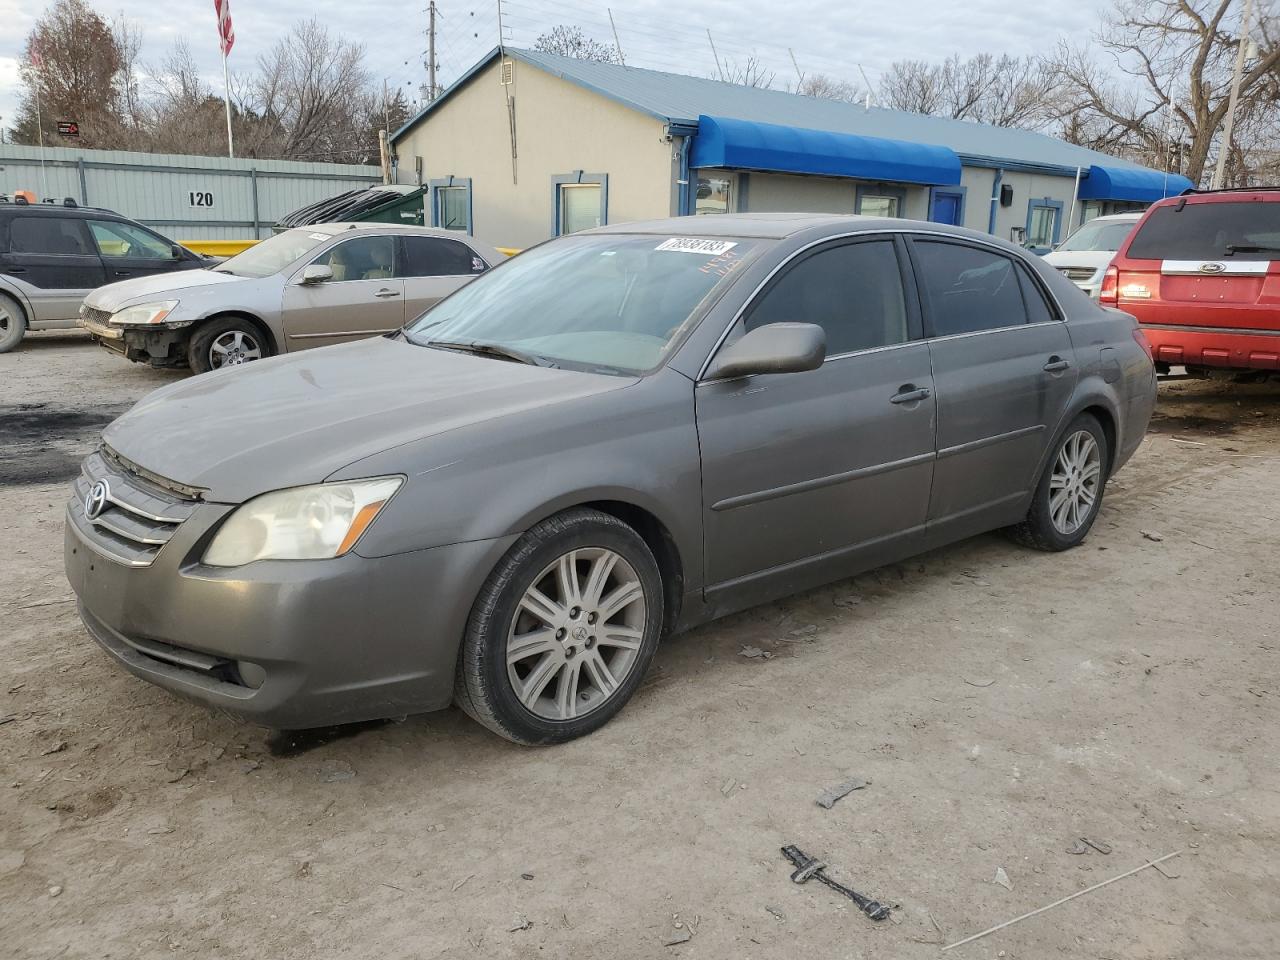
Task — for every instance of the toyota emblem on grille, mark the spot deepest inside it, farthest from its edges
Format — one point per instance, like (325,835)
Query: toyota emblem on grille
(96,499)
(1213,267)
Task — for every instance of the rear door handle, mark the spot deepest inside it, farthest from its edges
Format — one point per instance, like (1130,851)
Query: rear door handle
(1056,364)
(387,293)
(14,270)
(910,394)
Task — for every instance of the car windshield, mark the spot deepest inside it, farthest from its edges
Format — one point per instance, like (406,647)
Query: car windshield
(273,254)
(1210,231)
(1099,235)
(610,302)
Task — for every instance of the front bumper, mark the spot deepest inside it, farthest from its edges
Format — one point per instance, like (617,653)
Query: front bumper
(1230,348)
(158,346)
(284,644)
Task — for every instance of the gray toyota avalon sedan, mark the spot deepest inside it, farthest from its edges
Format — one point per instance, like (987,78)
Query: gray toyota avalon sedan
(613,437)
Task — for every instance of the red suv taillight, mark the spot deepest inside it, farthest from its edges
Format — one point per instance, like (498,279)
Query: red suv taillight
(1110,290)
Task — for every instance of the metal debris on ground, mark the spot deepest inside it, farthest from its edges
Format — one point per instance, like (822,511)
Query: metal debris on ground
(727,787)
(1058,903)
(1002,879)
(1100,845)
(678,937)
(980,682)
(1077,848)
(522,923)
(827,799)
(526,876)
(458,884)
(777,914)
(808,868)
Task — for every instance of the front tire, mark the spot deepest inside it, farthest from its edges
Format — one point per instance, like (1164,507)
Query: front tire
(226,342)
(563,630)
(1069,494)
(13,323)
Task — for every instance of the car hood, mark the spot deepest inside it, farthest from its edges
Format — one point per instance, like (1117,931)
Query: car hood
(160,286)
(297,419)
(1097,259)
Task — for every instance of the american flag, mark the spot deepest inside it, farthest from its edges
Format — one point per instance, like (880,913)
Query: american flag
(226,32)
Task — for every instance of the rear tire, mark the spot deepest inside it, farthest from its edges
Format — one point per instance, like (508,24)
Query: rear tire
(13,323)
(225,342)
(563,630)
(1069,494)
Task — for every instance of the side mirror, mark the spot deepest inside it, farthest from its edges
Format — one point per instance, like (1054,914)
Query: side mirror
(773,348)
(177,253)
(316,273)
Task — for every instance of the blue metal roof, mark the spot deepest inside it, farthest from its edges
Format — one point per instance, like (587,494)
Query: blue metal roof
(749,145)
(1137,183)
(679,100)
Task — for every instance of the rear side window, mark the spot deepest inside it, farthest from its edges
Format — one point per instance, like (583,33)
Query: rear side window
(1210,231)
(968,289)
(436,257)
(49,235)
(853,291)
(1038,309)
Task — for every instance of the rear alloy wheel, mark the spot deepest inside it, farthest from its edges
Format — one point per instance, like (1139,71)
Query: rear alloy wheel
(228,342)
(13,323)
(563,630)
(1069,494)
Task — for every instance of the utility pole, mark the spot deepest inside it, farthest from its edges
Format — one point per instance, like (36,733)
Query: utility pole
(1225,146)
(719,69)
(431,51)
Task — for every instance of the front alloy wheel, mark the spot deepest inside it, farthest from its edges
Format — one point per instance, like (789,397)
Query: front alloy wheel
(233,348)
(563,629)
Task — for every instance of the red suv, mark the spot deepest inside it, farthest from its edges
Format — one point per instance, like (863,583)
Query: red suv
(1201,272)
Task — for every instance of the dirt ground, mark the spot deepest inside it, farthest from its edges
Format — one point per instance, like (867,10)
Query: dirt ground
(1002,704)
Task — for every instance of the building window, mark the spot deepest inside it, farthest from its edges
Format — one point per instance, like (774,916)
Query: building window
(714,195)
(451,204)
(1044,224)
(881,200)
(580,202)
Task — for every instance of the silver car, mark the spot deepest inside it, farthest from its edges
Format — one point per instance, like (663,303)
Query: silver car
(308,287)
(615,436)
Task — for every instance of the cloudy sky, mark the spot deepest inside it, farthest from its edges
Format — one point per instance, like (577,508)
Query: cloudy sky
(662,34)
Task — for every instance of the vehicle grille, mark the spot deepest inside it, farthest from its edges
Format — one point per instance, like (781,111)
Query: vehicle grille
(1078,274)
(139,515)
(94,314)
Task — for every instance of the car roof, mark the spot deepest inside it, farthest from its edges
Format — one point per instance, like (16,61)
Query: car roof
(342,226)
(1133,216)
(1228,195)
(56,210)
(772,226)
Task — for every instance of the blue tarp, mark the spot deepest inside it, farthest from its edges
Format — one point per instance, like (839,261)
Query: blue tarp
(1132,183)
(747,145)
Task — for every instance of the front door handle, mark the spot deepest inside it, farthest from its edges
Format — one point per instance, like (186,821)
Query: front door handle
(1056,364)
(909,393)
(387,293)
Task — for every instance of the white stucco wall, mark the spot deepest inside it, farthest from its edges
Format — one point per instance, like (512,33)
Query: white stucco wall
(560,128)
(1026,186)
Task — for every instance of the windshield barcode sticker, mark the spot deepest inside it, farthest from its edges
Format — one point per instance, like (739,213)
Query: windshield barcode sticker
(695,245)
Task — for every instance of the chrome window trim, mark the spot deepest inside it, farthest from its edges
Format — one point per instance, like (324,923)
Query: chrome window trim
(888,234)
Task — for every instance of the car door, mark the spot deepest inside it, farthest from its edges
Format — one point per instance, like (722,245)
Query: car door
(54,258)
(364,298)
(434,267)
(806,475)
(127,250)
(1003,369)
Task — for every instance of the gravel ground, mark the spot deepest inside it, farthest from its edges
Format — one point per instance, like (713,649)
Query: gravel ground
(1001,703)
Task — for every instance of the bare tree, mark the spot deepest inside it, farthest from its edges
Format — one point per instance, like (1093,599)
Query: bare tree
(569,41)
(72,57)
(747,73)
(1004,91)
(822,87)
(1175,59)
(128,40)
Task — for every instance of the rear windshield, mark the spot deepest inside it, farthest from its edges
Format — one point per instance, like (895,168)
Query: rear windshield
(1210,231)
(1099,235)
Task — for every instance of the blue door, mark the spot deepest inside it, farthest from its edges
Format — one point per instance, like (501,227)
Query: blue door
(947,206)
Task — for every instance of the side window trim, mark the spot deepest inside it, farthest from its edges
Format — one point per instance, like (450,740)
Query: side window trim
(927,307)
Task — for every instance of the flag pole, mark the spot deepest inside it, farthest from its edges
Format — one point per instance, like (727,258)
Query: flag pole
(226,90)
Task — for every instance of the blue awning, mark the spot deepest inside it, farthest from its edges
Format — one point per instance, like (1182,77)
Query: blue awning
(1132,183)
(747,145)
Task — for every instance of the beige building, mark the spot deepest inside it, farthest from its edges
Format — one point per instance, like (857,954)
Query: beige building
(529,145)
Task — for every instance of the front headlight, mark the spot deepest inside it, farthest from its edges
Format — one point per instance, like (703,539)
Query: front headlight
(144,313)
(303,523)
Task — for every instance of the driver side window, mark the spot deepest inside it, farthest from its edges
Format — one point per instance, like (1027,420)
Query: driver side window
(852,290)
(361,258)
